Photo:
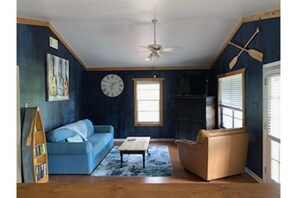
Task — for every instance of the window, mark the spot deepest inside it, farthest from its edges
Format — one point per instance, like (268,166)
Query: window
(231,99)
(148,101)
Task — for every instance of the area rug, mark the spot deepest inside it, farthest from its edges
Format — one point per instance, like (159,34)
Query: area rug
(157,163)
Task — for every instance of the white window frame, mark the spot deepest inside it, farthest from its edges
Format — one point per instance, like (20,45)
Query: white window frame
(142,123)
(242,72)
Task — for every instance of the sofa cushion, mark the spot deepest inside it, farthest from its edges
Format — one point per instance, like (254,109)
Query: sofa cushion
(59,135)
(79,127)
(76,138)
(90,127)
(203,134)
(99,141)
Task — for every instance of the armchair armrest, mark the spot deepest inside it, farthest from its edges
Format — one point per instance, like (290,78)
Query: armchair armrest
(103,129)
(188,144)
(69,148)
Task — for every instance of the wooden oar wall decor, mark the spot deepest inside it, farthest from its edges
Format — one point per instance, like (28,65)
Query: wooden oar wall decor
(252,52)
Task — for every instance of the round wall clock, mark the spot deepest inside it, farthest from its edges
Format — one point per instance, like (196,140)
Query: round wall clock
(112,85)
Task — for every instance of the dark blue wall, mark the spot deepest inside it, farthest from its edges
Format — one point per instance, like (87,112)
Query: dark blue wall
(119,111)
(87,99)
(268,42)
(32,46)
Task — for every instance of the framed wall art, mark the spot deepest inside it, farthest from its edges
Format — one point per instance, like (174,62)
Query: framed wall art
(57,78)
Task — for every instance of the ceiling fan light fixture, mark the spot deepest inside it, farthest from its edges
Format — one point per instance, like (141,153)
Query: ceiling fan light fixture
(156,56)
(150,57)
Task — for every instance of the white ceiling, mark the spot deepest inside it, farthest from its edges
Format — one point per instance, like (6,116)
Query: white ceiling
(107,33)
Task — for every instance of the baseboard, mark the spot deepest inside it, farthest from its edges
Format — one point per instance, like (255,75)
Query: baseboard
(151,140)
(253,175)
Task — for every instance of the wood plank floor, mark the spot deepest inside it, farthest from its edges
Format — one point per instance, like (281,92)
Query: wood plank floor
(111,190)
(179,175)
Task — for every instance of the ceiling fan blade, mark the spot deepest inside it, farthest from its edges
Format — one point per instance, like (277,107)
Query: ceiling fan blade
(161,51)
(172,54)
(146,47)
(137,52)
(169,49)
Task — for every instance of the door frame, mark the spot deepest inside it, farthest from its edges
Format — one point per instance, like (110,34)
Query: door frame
(19,150)
(264,74)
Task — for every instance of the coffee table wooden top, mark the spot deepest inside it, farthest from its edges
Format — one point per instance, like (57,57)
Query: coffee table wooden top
(135,144)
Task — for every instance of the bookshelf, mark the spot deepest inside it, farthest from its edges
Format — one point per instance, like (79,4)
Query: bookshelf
(34,150)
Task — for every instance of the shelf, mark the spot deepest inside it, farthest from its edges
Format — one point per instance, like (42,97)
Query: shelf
(43,179)
(40,172)
(34,148)
(40,156)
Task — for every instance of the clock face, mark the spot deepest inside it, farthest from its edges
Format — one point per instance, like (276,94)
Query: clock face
(112,85)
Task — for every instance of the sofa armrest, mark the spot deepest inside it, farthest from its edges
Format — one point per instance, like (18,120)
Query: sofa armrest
(103,129)
(69,148)
(188,144)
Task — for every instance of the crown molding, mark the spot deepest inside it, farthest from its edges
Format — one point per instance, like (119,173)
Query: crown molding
(146,68)
(257,17)
(262,16)
(35,22)
(28,21)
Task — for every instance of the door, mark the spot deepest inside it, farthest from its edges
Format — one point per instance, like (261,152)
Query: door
(271,123)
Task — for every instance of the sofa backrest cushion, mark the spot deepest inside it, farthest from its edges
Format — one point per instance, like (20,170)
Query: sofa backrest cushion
(90,127)
(203,134)
(59,135)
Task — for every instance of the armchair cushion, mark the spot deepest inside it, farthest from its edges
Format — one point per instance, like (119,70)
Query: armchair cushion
(203,134)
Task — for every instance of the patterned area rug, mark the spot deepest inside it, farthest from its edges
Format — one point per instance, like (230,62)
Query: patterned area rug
(157,163)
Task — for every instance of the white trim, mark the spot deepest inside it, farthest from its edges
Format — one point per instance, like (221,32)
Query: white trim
(151,140)
(271,64)
(253,175)
(267,69)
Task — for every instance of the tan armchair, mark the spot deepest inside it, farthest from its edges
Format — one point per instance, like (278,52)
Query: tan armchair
(215,153)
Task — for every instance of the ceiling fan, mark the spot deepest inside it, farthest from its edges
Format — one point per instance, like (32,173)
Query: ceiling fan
(156,50)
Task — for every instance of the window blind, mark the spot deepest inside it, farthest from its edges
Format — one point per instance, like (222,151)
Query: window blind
(231,91)
(273,118)
(148,101)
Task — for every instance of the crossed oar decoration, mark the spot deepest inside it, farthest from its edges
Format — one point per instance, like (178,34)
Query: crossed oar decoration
(252,52)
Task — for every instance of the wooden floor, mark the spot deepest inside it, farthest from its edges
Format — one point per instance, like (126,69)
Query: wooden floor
(181,184)
(111,190)
(179,175)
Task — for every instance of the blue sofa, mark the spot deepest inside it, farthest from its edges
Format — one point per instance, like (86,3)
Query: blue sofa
(78,157)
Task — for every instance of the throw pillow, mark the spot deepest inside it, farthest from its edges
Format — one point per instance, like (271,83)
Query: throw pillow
(76,138)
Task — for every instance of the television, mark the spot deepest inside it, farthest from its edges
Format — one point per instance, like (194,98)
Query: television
(192,85)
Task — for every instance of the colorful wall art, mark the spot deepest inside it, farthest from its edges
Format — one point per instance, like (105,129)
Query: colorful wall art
(57,78)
